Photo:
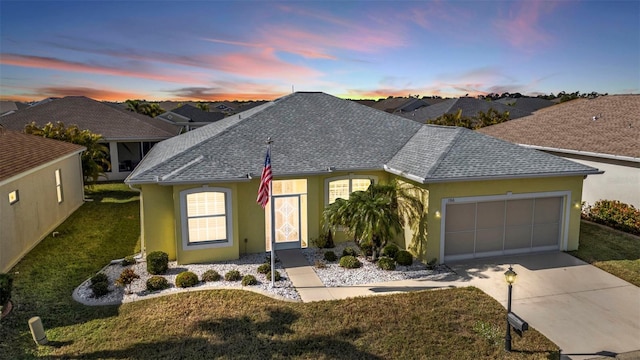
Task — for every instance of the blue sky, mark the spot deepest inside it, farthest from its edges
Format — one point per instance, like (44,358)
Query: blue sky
(217,50)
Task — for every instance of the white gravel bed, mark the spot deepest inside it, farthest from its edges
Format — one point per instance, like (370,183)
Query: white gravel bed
(247,265)
(335,276)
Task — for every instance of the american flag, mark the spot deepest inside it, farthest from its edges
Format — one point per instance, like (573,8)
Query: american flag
(265,181)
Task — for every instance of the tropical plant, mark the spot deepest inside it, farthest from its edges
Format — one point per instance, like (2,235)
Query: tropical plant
(95,159)
(203,106)
(144,108)
(376,215)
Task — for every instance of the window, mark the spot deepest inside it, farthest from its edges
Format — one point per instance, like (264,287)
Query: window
(341,187)
(59,185)
(206,217)
(14,197)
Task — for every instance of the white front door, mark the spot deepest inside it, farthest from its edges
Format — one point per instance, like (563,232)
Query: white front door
(289,204)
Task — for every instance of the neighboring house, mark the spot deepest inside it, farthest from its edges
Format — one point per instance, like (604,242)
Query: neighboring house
(470,108)
(9,107)
(527,104)
(128,135)
(189,117)
(603,132)
(40,186)
(486,196)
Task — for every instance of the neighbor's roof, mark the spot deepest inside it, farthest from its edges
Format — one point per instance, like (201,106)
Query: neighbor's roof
(527,104)
(110,122)
(470,108)
(607,126)
(194,114)
(20,152)
(315,133)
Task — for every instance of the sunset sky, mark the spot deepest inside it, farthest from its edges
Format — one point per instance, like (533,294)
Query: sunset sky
(217,50)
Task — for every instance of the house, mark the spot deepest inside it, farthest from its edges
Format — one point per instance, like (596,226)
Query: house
(527,104)
(470,108)
(128,135)
(189,117)
(486,196)
(9,107)
(602,132)
(40,186)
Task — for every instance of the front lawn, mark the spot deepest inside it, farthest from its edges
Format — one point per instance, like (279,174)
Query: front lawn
(610,250)
(444,324)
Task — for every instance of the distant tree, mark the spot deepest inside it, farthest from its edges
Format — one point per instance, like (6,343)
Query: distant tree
(133,105)
(491,117)
(453,120)
(203,106)
(95,159)
(144,108)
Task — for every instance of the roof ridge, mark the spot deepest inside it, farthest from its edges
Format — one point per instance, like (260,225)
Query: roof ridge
(445,152)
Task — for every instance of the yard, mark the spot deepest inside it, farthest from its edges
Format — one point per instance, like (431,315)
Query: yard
(457,323)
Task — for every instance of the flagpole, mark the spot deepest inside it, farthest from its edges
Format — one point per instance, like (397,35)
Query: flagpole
(273,216)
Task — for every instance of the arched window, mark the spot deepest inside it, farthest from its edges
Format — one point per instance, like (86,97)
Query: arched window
(342,186)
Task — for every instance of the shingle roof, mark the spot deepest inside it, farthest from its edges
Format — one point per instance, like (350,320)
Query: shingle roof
(571,125)
(197,115)
(315,132)
(527,104)
(112,123)
(20,152)
(470,108)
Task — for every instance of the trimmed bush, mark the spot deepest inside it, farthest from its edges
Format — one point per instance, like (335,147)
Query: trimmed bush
(99,284)
(233,275)
(249,280)
(128,260)
(350,262)
(211,275)
(126,278)
(264,268)
(366,248)
(390,250)
(276,276)
(349,251)
(330,256)
(431,264)
(386,263)
(156,283)
(157,262)
(615,214)
(186,279)
(404,258)
(99,277)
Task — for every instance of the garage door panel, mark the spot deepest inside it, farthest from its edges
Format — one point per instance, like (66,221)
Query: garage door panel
(517,237)
(488,240)
(545,235)
(519,212)
(547,210)
(459,243)
(490,215)
(460,217)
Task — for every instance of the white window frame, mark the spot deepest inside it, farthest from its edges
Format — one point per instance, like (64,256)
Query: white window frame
(186,244)
(350,177)
(58,178)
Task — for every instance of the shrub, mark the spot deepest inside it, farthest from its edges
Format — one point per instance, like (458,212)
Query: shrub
(390,250)
(276,276)
(264,268)
(330,256)
(350,262)
(615,214)
(386,263)
(366,248)
(157,262)
(186,279)
(211,275)
(349,251)
(6,285)
(431,264)
(99,284)
(157,282)
(100,288)
(320,265)
(249,280)
(127,276)
(233,275)
(128,260)
(404,258)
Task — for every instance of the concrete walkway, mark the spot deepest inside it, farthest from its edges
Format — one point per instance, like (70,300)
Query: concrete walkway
(587,312)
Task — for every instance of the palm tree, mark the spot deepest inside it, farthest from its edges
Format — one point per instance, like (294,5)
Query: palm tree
(378,214)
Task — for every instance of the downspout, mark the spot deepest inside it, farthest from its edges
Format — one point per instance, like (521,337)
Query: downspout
(142,243)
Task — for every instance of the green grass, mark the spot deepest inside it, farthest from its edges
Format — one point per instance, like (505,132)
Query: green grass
(221,324)
(610,250)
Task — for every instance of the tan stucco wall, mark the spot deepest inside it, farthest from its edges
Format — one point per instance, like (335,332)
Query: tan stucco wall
(438,192)
(37,213)
(158,223)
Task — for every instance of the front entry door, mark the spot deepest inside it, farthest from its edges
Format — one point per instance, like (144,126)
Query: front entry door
(287,221)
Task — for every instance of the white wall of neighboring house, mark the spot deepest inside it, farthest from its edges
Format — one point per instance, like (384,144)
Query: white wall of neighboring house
(620,181)
(37,211)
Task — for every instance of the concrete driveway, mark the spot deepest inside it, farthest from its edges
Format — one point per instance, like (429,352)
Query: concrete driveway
(584,310)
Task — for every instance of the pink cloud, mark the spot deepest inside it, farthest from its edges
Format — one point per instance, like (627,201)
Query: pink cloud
(521,27)
(40,62)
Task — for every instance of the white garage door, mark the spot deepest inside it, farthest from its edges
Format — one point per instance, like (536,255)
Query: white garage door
(490,228)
